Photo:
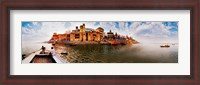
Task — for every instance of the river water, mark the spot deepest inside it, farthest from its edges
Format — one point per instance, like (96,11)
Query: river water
(136,53)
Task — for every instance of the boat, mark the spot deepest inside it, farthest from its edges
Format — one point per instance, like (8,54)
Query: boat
(162,46)
(36,57)
(64,53)
(43,58)
(73,44)
(114,42)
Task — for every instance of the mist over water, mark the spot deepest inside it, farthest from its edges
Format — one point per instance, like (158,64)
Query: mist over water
(136,53)
(30,46)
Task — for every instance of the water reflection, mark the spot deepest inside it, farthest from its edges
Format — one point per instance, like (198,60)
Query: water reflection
(137,53)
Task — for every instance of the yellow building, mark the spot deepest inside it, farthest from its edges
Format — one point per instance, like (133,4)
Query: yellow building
(89,34)
(86,35)
(82,28)
(81,34)
(59,37)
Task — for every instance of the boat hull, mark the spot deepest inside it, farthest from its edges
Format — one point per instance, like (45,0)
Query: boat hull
(36,57)
(43,59)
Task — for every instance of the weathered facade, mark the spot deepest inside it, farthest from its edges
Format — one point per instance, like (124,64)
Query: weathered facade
(110,35)
(88,34)
(81,35)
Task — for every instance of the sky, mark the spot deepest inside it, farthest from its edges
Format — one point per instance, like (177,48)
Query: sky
(145,32)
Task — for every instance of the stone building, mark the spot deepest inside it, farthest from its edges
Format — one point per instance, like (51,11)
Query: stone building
(81,34)
(110,35)
(86,35)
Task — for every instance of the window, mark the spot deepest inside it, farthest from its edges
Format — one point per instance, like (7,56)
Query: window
(77,36)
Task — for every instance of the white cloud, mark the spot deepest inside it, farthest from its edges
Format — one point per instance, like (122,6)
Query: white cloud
(143,32)
(154,32)
(45,31)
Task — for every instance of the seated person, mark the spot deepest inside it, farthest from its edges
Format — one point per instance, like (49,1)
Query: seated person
(43,50)
(53,52)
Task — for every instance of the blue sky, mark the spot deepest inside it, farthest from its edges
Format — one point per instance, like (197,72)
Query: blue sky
(141,31)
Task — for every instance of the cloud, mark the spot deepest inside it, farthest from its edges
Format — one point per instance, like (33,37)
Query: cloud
(145,31)
(42,31)
(141,31)
(156,31)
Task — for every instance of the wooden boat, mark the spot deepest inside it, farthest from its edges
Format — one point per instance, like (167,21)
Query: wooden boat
(43,58)
(73,44)
(64,53)
(162,46)
(36,57)
(114,42)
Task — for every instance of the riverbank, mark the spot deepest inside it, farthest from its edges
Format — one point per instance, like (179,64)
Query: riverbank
(111,42)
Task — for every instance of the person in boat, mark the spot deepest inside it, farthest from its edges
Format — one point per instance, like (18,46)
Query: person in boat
(53,52)
(43,50)
(42,47)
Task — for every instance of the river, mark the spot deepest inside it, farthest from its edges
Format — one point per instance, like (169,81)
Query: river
(136,53)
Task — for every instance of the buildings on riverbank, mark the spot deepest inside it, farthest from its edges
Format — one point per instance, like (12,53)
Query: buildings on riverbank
(83,34)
